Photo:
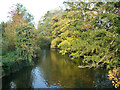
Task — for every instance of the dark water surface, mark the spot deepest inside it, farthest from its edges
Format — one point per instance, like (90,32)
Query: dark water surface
(55,71)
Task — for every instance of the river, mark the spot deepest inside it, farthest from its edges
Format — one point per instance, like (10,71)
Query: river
(53,70)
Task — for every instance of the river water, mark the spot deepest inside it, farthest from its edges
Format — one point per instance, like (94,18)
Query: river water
(53,70)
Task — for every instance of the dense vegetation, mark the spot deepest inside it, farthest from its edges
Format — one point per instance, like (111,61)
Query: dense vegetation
(88,32)
(18,44)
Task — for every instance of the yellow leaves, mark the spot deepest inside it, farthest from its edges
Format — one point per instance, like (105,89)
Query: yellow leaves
(116,85)
(71,13)
(86,26)
(91,13)
(55,41)
(114,75)
(55,18)
(115,79)
(108,61)
(113,82)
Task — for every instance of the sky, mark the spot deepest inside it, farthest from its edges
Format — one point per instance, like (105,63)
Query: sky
(36,7)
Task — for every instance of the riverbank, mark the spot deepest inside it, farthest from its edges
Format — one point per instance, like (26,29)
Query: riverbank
(53,70)
(11,64)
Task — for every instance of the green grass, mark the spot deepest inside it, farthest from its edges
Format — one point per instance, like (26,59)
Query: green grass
(9,57)
(10,63)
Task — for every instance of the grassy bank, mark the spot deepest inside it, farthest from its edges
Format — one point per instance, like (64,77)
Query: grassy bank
(10,63)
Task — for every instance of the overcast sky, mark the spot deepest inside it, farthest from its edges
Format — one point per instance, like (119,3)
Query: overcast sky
(36,7)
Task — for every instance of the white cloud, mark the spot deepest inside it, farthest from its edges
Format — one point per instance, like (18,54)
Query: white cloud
(36,7)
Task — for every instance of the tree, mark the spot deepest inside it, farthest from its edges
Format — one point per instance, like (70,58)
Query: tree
(44,25)
(45,30)
(19,33)
(89,33)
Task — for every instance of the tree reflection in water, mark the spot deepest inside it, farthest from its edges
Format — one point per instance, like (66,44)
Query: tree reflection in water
(53,71)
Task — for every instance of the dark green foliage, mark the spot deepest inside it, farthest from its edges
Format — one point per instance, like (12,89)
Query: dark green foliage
(25,44)
(43,42)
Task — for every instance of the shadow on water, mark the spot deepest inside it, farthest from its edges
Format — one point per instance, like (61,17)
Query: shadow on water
(53,70)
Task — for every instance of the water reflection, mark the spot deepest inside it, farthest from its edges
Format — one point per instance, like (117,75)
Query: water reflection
(53,71)
(37,78)
(12,84)
(20,79)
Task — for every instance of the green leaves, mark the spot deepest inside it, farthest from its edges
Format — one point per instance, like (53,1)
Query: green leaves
(89,34)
